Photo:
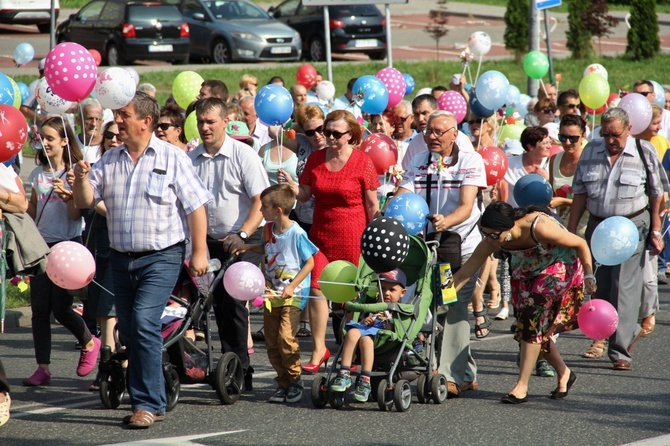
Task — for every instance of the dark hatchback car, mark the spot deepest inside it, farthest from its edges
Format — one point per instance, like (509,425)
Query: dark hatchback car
(353,28)
(124,31)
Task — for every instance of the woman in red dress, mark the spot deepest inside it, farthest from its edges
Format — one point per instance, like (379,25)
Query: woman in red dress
(344,184)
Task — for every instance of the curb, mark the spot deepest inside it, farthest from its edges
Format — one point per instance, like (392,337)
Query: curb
(18,317)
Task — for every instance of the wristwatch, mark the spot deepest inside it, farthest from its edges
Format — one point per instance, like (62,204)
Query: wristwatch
(243,235)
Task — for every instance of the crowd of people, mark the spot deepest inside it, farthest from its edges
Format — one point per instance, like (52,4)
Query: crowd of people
(142,198)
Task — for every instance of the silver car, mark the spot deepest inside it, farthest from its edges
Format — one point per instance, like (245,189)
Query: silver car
(228,31)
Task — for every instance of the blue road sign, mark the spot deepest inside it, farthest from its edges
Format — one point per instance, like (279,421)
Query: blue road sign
(545,4)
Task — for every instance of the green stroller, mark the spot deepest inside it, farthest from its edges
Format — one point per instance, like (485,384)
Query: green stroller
(398,356)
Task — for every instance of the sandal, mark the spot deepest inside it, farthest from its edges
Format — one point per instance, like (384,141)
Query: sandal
(494,303)
(141,419)
(485,327)
(596,350)
(648,324)
(258,336)
(304,331)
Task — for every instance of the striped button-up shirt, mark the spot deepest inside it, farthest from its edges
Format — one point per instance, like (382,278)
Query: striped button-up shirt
(618,189)
(148,202)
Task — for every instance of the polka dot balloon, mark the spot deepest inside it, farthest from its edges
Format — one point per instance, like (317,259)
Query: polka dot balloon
(384,244)
(70,265)
(70,71)
(395,84)
(454,102)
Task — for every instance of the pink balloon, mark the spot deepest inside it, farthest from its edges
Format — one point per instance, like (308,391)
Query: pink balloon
(598,319)
(70,265)
(639,111)
(395,84)
(258,301)
(382,150)
(554,149)
(244,281)
(453,102)
(70,71)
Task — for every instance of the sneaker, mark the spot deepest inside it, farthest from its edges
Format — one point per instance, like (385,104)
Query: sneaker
(279,396)
(88,358)
(40,378)
(543,369)
(294,392)
(341,383)
(662,279)
(4,409)
(362,392)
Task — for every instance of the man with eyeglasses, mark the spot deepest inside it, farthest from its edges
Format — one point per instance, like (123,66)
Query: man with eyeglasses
(568,102)
(450,180)
(91,136)
(422,107)
(646,89)
(612,179)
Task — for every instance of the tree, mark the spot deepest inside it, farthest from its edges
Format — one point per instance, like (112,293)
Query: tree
(643,41)
(597,20)
(517,27)
(579,37)
(437,28)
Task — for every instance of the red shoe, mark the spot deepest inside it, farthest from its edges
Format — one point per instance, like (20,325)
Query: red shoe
(40,378)
(314,368)
(88,358)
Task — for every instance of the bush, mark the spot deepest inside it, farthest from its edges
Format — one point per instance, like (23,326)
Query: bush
(579,37)
(643,40)
(517,29)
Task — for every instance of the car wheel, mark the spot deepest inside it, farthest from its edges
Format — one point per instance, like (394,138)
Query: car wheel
(381,55)
(221,52)
(317,49)
(114,57)
(44,28)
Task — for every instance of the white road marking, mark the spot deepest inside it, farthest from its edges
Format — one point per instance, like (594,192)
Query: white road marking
(175,441)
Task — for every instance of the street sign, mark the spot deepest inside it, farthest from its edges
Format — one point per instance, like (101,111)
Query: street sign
(351,2)
(545,4)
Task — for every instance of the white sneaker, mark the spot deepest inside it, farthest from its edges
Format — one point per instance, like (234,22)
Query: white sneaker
(502,315)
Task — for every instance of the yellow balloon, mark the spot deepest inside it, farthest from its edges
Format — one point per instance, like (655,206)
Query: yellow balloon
(191,127)
(186,87)
(337,281)
(594,90)
(17,93)
(511,131)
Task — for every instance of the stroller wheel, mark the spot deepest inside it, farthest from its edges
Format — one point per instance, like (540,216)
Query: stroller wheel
(422,389)
(438,388)
(319,391)
(172,387)
(402,395)
(229,378)
(336,399)
(111,391)
(384,396)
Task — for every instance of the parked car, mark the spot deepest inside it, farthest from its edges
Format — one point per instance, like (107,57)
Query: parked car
(353,28)
(228,31)
(28,12)
(126,30)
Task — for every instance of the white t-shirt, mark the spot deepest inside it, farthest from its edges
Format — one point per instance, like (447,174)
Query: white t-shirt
(342,103)
(418,145)
(467,171)
(91,152)
(665,124)
(515,171)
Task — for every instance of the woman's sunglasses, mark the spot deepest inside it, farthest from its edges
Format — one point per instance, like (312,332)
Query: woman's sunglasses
(110,135)
(165,125)
(491,235)
(572,138)
(334,134)
(312,132)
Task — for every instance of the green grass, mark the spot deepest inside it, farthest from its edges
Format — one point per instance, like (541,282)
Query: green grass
(16,298)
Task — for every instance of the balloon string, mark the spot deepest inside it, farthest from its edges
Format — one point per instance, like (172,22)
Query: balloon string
(45,154)
(665,220)
(470,74)
(83,124)
(593,124)
(112,294)
(479,65)
(69,149)
(281,144)
(479,140)
(544,88)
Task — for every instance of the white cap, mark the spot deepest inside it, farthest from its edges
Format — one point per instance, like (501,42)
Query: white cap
(423,91)
(40,66)
(513,147)
(456,79)
(552,128)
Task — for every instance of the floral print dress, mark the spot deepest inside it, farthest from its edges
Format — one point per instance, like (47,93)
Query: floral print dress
(547,289)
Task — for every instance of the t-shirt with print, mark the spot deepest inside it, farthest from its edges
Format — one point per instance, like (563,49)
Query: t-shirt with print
(285,256)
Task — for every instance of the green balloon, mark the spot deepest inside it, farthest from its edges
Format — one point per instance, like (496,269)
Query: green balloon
(17,93)
(536,64)
(186,87)
(511,131)
(191,127)
(337,281)
(594,90)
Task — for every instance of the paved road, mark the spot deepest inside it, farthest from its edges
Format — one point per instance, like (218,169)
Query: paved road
(605,407)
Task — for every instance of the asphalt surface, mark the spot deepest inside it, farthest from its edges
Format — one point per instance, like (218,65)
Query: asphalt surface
(605,407)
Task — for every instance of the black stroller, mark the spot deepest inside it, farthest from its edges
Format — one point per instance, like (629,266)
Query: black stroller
(183,361)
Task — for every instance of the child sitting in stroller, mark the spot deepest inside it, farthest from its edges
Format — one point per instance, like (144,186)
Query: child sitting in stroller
(361,334)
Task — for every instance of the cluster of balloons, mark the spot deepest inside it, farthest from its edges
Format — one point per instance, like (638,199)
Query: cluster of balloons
(244,281)
(70,265)
(374,94)
(614,241)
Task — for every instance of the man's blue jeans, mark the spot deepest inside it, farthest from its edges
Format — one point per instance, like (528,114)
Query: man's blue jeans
(142,286)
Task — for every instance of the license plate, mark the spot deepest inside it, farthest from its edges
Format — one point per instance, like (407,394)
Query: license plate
(160,48)
(366,43)
(280,50)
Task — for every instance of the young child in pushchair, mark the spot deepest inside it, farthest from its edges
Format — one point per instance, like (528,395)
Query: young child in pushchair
(361,334)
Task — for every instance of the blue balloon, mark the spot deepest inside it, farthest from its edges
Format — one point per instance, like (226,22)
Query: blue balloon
(25,92)
(659,99)
(10,161)
(23,53)
(614,241)
(513,96)
(6,90)
(532,189)
(477,108)
(370,94)
(492,88)
(273,104)
(409,209)
(409,83)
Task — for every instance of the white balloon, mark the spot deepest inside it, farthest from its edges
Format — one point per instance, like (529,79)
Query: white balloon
(50,101)
(479,43)
(596,68)
(325,90)
(114,88)
(134,74)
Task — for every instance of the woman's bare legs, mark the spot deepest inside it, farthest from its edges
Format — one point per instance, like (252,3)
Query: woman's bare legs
(318,322)
(529,355)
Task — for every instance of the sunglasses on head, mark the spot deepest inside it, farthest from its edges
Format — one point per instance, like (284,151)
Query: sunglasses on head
(110,135)
(334,134)
(165,125)
(312,132)
(572,138)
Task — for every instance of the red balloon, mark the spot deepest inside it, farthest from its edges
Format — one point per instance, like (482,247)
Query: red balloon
(382,150)
(495,162)
(564,191)
(599,110)
(306,76)
(13,133)
(554,150)
(96,56)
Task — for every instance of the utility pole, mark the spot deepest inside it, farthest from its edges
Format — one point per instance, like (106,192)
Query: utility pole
(533,43)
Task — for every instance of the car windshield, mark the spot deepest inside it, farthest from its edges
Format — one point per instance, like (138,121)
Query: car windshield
(235,10)
(354,10)
(141,13)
